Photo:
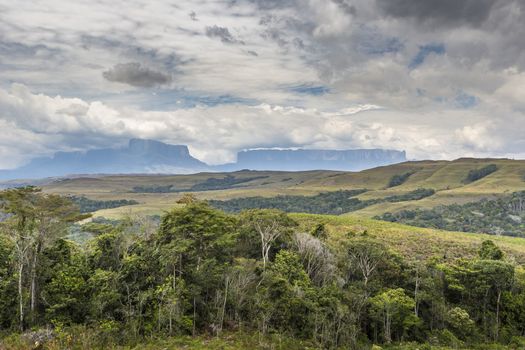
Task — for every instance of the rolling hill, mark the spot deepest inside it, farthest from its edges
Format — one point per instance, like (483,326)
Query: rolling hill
(447,178)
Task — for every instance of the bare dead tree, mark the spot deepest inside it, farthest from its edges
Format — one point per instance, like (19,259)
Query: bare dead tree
(317,259)
(366,256)
(269,231)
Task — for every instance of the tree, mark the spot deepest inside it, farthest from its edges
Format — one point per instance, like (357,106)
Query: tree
(480,284)
(316,258)
(286,296)
(196,242)
(8,284)
(490,251)
(365,255)
(65,289)
(34,221)
(460,322)
(493,278)
(270,225)
(394,308)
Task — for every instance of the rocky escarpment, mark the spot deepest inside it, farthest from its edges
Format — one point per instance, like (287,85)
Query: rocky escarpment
(290,160)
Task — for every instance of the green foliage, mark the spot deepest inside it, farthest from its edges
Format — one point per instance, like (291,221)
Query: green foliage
(337,202)
(154,189)
(259,275)
(65,291)
(502,216)
(393,312)
(398,180)
(478,174)
(210,184)
(415,195)
(87,205)
(490,251)
(459,321)
(228,181)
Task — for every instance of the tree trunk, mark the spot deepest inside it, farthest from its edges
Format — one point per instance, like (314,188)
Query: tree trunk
(388,331)
(416,291)
(33,285)
(497,316)
(263,252)
(21,295)
(223,311)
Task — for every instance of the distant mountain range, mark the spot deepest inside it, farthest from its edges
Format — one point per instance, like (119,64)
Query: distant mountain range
(154,157)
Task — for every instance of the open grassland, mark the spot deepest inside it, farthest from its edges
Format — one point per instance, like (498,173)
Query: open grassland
(412,243)
(445,177)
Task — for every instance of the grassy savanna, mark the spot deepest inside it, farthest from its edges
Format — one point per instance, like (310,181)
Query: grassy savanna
(412,243)
(447,178)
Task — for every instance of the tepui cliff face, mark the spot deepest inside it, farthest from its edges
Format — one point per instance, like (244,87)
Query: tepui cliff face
(302,159)
(150,156)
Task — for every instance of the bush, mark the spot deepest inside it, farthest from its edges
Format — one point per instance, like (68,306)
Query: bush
(478,174)
(398,180)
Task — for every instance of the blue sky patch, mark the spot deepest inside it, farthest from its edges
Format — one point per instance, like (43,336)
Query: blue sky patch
(312,90)
(424,52)
(464,100)
(381,47)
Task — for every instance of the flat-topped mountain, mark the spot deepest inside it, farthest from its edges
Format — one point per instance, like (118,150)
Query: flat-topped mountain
(302,159)
(154,157)
(140,156)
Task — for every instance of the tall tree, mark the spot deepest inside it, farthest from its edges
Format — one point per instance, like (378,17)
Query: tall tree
(269,226)
(34,219)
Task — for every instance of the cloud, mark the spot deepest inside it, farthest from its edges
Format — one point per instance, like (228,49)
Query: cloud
(479,137)
(346,6)
(440,12)
(47,124)
(135,74)
(222,33)
(434,67)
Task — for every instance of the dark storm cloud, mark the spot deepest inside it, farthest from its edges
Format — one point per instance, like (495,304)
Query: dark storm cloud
(126,48)
(273,4)
(222,33)
(135,74)
(440,12)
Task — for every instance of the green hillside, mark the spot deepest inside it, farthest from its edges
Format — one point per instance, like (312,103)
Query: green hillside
(413,243)
(447,178)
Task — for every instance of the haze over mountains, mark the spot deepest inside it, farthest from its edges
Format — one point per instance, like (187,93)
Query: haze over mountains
(154,157)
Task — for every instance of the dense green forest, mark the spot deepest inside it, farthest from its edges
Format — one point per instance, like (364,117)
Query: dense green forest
(87,205)
(210,184)
(478,174)
(398,180)
(336,202)
(502,216)
(202,272)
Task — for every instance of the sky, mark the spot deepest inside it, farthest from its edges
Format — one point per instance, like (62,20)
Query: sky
(440,79)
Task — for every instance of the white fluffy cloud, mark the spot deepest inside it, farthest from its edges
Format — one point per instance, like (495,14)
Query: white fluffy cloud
(215,134)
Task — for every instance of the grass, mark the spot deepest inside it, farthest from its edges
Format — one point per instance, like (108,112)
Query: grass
(412,243)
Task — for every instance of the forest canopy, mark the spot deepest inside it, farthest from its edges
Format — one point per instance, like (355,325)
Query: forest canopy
(202,271)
